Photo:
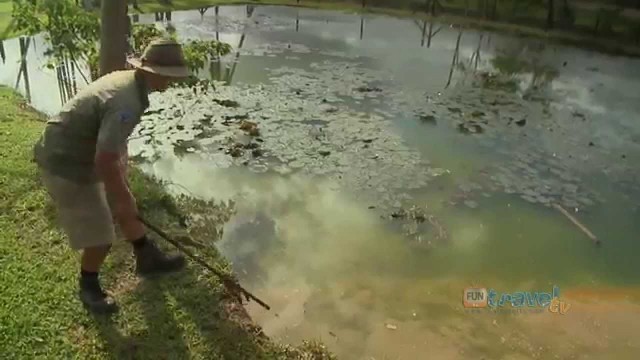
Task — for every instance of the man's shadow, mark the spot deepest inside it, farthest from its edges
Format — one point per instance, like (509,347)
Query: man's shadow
(170,317)
(182,314)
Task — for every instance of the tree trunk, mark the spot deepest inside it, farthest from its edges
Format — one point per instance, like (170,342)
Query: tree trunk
(113,39)
(550,14)
(2,54)
(494,11)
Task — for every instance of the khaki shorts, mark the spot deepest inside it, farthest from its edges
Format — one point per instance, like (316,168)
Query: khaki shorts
(83,211)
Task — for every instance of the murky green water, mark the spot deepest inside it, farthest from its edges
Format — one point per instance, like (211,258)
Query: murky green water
(474,135)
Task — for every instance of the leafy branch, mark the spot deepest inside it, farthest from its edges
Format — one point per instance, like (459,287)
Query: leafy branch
(74,33)
(70,31)
(196,52)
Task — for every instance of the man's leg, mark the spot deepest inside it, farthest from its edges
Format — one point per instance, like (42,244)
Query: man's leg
(93,257)
(91,293)
(84,214)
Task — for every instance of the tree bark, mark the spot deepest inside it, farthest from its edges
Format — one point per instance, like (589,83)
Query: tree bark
(494,12)
(2,54)
(113,45)
(550,14)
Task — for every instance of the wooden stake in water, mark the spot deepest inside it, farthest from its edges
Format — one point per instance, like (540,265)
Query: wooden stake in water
(578,224)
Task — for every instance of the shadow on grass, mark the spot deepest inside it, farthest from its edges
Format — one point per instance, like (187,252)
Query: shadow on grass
(173,317)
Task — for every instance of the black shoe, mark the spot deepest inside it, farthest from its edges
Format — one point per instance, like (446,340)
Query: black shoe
(151,260)
(95,300)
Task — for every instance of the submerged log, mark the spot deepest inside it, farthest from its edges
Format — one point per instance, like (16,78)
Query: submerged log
(578,224)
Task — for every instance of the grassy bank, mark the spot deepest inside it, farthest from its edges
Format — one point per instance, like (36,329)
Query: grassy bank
(186,315)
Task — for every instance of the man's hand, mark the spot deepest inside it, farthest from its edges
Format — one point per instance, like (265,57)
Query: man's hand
(112,172)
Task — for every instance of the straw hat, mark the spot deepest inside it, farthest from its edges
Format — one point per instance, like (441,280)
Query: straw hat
(163,57)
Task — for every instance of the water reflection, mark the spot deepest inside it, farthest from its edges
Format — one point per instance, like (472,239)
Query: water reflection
(203,11)
(25,65)
(428,36)
(68,71)
(455,60)
(215,66)
(163,16)
(475,58)
(24,70)
(67,79)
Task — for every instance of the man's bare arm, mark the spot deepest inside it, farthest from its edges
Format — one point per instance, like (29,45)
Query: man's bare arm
(111,172)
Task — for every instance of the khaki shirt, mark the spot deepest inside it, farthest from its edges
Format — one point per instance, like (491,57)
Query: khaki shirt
(99,118)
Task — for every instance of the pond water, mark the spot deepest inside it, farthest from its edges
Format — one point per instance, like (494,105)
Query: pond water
(396,163)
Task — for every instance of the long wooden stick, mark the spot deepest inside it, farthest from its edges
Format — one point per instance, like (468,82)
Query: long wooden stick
(578,224)
(227,281)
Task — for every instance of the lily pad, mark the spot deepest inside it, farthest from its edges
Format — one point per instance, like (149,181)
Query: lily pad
(428,119)
(471,204)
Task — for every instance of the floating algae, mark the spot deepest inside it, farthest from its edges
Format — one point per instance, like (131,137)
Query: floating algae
(386,164)
(309,123)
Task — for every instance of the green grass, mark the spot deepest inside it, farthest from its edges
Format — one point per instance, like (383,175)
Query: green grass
(181,316)
(5,19)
